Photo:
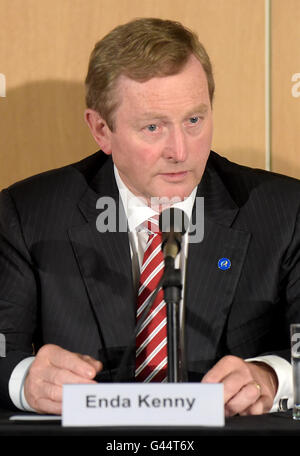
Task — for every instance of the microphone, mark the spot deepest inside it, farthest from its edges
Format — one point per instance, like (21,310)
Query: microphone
(173,223)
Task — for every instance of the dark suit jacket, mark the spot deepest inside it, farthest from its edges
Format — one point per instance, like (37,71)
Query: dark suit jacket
(63,282)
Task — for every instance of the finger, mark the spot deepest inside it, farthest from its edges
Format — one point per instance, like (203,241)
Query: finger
(233,384)
(46,398)
(94,362)
(216,374)
(224,367)
(263,405)
(255,409)
(44,405)
(57,376)
(245,398)
(51,392)
(65,359)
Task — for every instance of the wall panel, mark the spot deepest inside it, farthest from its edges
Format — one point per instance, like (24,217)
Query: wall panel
(285,91)
(44,50)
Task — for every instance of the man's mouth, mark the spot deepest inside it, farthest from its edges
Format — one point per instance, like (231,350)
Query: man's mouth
(174,176)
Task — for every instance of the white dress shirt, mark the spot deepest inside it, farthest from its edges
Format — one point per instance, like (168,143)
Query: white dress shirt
(138,212)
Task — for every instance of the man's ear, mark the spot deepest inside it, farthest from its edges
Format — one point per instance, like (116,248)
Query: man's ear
(99,129)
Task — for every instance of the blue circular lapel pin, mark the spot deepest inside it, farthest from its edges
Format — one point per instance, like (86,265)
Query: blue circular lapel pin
(224,263)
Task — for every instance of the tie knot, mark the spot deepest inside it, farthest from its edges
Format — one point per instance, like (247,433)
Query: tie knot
(152,224)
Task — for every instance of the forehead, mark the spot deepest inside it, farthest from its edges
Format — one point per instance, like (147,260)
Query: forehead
(181,90)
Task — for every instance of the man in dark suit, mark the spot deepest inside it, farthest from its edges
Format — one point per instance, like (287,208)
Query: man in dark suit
(68,287)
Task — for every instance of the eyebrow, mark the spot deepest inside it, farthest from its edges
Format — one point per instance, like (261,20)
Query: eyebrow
(202,109)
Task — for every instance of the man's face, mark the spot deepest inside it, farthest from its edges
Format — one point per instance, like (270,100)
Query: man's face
(162,133)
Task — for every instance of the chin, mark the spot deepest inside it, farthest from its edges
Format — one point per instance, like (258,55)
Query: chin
(175,195)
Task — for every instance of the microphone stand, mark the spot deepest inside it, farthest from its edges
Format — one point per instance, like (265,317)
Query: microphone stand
(172,294)
(172,224)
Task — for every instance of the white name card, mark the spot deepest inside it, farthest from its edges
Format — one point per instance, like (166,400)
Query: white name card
(143,404)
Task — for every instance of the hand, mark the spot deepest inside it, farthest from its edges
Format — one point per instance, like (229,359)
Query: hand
(53,366)
(249,387)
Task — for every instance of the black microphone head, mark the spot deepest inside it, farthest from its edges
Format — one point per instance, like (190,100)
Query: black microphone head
(173,220)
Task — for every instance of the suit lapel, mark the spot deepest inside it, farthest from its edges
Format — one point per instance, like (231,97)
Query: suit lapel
(104,260)
(209,289)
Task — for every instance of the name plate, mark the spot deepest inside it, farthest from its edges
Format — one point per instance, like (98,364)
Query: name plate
(143,404)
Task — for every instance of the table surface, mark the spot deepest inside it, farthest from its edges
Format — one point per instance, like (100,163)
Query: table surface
(272,424)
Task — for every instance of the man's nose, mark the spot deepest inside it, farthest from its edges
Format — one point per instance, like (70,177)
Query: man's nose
(176,147)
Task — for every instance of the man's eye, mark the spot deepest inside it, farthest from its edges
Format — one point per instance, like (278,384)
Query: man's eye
(152,127)
(194,119)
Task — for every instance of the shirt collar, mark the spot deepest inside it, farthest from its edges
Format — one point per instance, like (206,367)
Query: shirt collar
(138,212)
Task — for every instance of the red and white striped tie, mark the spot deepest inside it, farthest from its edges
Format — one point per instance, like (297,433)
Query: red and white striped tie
(151,341)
